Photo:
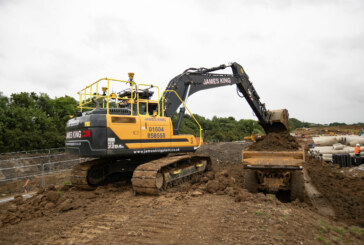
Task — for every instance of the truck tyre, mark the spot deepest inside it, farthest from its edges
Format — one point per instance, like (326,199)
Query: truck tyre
(297,186)
(250,181)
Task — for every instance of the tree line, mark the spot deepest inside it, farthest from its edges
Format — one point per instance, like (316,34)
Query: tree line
(31,121)
(219,128)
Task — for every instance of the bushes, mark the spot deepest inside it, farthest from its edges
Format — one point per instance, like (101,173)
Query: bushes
(31,121)
(218,128)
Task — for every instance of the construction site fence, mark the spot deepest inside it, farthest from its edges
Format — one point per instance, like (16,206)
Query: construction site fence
(37,151)
(29,167)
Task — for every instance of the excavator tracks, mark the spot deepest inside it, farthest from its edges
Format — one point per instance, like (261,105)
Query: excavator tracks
(156,176)
(149,176)
(88,175)
(79,174)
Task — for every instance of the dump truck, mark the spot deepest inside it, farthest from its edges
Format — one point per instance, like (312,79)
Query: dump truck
(274,171)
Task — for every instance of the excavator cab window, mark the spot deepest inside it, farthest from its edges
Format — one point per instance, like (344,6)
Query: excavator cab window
(146,105)
(153,109)
(148,108)
(142,108)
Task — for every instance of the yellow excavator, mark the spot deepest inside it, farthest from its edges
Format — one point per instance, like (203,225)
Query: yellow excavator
(128,131)
(252,138)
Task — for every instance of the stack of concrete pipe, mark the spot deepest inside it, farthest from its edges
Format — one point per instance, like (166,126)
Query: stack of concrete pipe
(325,146)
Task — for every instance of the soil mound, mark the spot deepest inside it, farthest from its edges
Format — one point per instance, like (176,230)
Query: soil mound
(275,142)
(224,152)
(45,201)
(222,183)
(224,179)
(53,200)
(346,194)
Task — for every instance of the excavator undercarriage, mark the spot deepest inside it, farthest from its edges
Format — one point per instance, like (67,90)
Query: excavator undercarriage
(150,177)
(158,175)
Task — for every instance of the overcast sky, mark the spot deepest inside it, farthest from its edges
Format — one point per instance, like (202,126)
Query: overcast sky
(306,56)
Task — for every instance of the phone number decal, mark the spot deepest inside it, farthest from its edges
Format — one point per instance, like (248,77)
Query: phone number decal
(156,135)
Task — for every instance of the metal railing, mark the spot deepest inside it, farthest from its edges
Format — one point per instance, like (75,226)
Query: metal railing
(18,159)
(86,95)
(30,171)
(37,151)
(193,117)
(21,167)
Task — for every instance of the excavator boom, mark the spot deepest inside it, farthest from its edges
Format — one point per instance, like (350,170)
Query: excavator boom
(193,80)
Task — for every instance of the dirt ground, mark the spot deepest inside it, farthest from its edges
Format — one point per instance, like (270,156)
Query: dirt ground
(13,187)
(213,209)
(345,193)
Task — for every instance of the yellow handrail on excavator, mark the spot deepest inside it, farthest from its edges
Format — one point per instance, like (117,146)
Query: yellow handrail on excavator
(83,93)
(173,91)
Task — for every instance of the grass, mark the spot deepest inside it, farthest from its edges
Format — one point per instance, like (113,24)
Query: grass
(321,239)
(338,230)
(326,228)
(272,197)
(259,213)
(58,192)
(339,236)
(324,224)
(356,229)
(67,182)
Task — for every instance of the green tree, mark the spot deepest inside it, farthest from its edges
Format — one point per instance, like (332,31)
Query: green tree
(218,128)
(33,121)
(337,124)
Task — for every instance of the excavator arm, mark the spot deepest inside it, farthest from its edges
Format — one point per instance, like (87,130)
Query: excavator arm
(193,80)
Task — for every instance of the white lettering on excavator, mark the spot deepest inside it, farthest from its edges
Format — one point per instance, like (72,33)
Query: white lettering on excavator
(73,135)
(216,81)
(72,123)
(111,144)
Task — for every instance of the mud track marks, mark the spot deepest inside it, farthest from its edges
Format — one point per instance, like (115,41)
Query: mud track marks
(88,230)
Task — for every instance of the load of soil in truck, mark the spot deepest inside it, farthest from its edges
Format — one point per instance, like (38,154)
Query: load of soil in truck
(273,164)
(281,141)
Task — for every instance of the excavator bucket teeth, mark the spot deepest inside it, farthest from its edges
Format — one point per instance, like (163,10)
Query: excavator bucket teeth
(278,121)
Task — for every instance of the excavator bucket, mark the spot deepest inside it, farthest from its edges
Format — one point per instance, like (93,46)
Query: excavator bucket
(278,122)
